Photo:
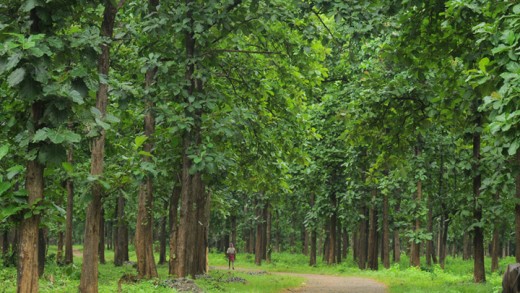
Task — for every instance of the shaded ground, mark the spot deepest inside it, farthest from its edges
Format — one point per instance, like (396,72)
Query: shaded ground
(330,284)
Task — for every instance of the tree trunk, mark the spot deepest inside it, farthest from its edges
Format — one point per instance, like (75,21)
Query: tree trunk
(313,236)
(339,239)
(174,224)
(162,236)
(121,233)
(372,234)
(495,243)
(466,246)
(101,248)
(59,252)
(234,230)
(268,234)
(28,258)
(444,237)
(397,247)
(259,235)
(144,227)
(429,227)
(42,248)
(479,272)
(362,240)
(517,209)
(331,247)
(345,243)
(89,269)
(69,185)
(386,233)
(415,254)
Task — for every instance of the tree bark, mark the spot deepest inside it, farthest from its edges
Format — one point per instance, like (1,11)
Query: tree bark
(362,240)
(268,234)
(121,232)
(386,233)
(69,185)
(517,209)
(331,248)
(495,243)
(429,227)
(174,207)
(89,269)
(101,248)
(259,235)
(27,280)
(415,254)
(345,243)
(162,236)
(144,227)
(372,234)
(479,272)
(42,247)
(313,236)
(59,252)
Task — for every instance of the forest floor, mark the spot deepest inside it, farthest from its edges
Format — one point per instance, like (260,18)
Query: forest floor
(327,283)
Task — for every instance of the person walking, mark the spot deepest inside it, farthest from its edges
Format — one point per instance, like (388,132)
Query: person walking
(231,252)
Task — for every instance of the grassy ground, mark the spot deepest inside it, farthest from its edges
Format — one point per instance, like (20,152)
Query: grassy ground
(457,277)
(65,279)
(400,277)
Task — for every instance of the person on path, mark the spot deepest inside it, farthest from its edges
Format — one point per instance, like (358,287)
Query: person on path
(231,251)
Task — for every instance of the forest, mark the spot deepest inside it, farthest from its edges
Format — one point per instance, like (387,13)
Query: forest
(373,133)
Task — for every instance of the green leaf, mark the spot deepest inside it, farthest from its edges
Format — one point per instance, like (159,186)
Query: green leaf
(16,77)
(513,148)
(55,137)
(3,151)
(28,5)
(103,124)
(139,140)
(12,61)
(13,171)
(483,63)
(4,186)
(40,135)
(68,167)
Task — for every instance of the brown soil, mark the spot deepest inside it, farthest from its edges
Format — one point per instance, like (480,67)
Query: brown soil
(332,284)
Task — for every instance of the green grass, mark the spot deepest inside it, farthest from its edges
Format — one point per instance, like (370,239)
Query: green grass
(457,277)
(65,279)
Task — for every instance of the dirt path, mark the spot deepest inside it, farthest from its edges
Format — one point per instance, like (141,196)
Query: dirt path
(330,284)
(77,252)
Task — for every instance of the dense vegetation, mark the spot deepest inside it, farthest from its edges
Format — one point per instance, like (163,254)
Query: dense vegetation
(329,128)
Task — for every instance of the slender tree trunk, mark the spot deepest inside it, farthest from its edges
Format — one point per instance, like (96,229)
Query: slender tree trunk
(69,185)
(345,243)
(479,272)
(59,252)
(162,236)
(259,235)
(415,254)
(372,234)
(444,237)
(313,236)
(42,248)
(466,246)
(517,209)
(144,228)
(28,258)
(339,240)
(495,243)
(362,240)
(429,227)
(89,269)
(397,247)
(121,233)
(268,234)
(331,257)
(174,206)
(101,248)
(386,233)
